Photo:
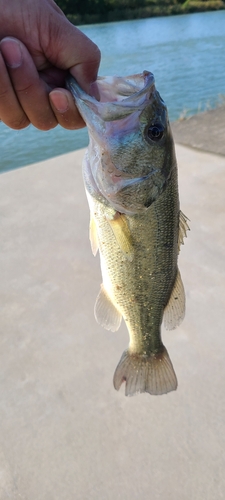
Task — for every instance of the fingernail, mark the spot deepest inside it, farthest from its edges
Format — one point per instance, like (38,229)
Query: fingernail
(59,101)
(11,52)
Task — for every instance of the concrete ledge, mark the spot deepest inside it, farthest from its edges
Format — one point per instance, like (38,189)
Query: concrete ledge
(204,131)
(65,433)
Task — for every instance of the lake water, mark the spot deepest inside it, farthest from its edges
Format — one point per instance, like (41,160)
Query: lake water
(185,53)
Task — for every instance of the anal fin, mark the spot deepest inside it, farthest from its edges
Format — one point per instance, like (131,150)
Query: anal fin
(174,311)
(105,312)
(121,231)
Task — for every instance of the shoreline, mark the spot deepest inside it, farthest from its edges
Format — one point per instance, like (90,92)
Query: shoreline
(129,14)
(204,131)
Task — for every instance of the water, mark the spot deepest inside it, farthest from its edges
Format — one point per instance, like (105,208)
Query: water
(185,53)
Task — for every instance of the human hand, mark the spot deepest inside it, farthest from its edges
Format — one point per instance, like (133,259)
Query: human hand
(38,47)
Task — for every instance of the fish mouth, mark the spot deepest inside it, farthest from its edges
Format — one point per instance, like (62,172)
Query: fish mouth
(114,124)
(119,96)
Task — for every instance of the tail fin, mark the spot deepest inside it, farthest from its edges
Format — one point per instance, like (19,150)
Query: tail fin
(153,374)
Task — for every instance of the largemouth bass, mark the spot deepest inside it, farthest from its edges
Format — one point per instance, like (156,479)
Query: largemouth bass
(130,176)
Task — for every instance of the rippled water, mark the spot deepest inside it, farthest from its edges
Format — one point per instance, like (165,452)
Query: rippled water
(185,53)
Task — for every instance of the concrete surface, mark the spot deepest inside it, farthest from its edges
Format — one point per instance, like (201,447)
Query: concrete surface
(204,131)
(65,433)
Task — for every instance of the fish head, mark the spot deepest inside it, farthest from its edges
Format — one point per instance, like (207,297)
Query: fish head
(131,152)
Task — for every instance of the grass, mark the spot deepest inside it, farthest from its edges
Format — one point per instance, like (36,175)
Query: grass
(209,105)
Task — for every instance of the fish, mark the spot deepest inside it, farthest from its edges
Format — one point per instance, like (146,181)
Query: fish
(131,181)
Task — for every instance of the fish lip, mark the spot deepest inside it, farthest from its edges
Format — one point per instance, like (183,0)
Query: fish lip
(113,109)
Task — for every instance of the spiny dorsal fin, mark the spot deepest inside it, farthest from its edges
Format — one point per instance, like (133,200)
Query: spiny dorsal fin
(105,312)
(121,231)
(93,236)
(175,309)
(153,374)
(183,228)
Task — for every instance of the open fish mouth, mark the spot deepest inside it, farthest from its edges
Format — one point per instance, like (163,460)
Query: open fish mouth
(119,96)
(120,158)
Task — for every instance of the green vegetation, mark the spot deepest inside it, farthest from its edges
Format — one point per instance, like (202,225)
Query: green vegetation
(95,11)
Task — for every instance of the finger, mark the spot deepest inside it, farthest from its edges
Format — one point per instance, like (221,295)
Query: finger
(11,112)
(68,48)
(66,113)
(31,91)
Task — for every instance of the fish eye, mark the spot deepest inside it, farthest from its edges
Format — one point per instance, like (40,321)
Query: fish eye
(155,132)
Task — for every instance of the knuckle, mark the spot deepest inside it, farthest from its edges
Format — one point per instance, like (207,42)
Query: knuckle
(19,123)
(3,94)
(46,126)
(44,121)
(24,89)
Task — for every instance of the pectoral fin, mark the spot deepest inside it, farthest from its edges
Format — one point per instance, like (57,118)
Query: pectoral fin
(175,309)
(183,228)
(121,231)
(93,236)
(105,312)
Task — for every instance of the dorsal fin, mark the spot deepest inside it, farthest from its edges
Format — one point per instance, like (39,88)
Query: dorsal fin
(183,228)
